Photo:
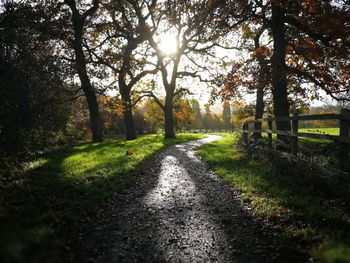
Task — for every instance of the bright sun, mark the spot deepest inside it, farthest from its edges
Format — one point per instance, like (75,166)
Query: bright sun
(168,44)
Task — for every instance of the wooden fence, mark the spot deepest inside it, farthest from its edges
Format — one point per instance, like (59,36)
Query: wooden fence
(343,139)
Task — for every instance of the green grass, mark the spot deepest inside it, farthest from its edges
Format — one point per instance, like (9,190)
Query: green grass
(329,131)
(312,141)
(38,207)
(308,213)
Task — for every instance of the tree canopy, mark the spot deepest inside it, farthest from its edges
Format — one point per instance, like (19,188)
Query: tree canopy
(100,62)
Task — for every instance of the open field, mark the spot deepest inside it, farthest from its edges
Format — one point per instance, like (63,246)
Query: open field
(330,131)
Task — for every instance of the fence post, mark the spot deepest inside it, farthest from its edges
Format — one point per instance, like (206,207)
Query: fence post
(295,128)
(344,126)
(270,133)
(245,133)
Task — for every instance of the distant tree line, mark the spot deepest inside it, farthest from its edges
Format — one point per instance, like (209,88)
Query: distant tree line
(149,118)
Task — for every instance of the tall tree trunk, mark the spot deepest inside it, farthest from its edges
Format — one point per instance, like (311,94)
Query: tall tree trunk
(130,132)
(279,76)
(169,117)
(96,125)
(263,76)
(80,61)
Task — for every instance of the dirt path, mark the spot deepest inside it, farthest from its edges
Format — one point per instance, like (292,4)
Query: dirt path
(179,211)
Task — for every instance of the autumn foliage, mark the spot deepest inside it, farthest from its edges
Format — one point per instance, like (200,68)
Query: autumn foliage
(316,52)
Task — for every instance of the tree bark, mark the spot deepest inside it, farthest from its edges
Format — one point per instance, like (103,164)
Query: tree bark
(130,132)
(80,61)
(279,76)
(263,75)
(169,117)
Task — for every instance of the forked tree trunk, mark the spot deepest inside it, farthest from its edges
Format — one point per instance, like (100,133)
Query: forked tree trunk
(125,92)
(279,76)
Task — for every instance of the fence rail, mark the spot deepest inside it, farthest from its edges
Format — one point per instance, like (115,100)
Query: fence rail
(344,116)
(343,139)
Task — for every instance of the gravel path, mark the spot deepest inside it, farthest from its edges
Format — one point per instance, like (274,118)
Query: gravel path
(179,211)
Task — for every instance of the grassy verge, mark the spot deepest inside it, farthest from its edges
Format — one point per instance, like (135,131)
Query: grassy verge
(311,217)
(38,206)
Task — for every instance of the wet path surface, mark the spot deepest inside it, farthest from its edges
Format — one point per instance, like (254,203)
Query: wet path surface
(179,211)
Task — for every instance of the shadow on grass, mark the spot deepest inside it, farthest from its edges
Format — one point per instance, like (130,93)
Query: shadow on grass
(180,213)
(39,208)
(289,196)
